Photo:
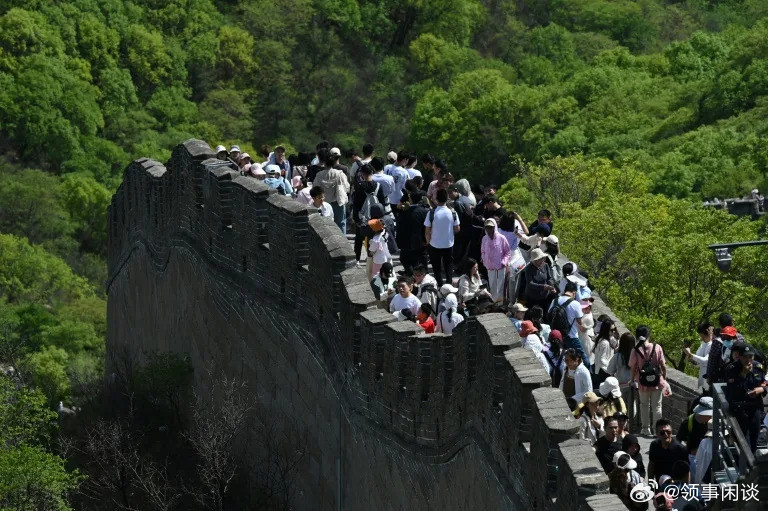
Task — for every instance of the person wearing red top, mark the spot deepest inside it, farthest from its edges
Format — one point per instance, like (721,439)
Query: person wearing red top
(424,318)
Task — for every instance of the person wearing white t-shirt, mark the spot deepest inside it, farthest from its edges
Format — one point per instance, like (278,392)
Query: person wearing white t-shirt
(440,226)
(398,173)
(318,202)
(404,299)
(574,315)
(410,167)
(449,318)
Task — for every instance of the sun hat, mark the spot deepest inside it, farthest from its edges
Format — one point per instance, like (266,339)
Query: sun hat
(220,148)
(586,303)
(234,148)
(527,328)
(704,407)
(537,254)
(519,307)
(552,239)
(574,277)
(590,397)
(610,387)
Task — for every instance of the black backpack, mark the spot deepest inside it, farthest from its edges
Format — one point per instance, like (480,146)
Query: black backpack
(555,373)
(649,373)
(558,316)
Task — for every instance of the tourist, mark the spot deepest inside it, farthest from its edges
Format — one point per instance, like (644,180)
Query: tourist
(536,315)
(399,177)
(555,355)
(318,202)
(590,418)
(449,318)
(720,352)
(701,357)
(649,371)
(611,395)
(608,444)
(623,478)
(531,340)
(221,153)
(619,368)
(404,299)
(378,249)
(386,182)
(463,209)
(300,189)
(411,237)
(602,350)
(383,284)
(565,315)
(426,286)
(367,194)
(495,253)
(424,318)
(694,427)
(587,332)
(664,451)
(440,226)
(539,286)
(631,445)
(336,189)
(576,380)
(410,167)
(276,181)
(518,311)
(471,293)
(368,151)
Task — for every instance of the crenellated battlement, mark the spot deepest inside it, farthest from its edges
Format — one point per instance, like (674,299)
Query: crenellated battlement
(218,266)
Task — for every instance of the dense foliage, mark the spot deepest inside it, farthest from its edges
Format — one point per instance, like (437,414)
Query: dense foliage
(619,115)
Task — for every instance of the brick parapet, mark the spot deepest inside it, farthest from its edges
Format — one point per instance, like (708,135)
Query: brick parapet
(430,394)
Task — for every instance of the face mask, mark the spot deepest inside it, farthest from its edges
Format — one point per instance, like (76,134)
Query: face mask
(728,343)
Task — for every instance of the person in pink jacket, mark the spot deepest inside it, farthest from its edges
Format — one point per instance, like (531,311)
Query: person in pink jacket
(495,253)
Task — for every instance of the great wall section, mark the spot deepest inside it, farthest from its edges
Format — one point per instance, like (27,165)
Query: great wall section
(246,282)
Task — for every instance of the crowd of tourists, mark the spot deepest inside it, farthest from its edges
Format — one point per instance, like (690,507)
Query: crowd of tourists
(485,258)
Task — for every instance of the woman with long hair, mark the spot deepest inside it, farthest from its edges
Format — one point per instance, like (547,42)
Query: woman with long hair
(619,367)
(576,380)
(471,294)
(602,351)
(590,418)
(449,318)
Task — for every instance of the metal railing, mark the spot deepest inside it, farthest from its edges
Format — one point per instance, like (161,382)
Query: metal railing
(732,456)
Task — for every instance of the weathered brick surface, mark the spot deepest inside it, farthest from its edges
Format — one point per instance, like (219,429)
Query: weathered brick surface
(205,262)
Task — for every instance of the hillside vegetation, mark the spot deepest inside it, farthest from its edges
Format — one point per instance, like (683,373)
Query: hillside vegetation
(646,106)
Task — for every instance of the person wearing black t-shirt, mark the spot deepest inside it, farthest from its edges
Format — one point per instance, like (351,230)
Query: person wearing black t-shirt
(608,444)
(693,429)
(664,451)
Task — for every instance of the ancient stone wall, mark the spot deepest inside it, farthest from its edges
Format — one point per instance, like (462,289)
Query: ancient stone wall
(246,282)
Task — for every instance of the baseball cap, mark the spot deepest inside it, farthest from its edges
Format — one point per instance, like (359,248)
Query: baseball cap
(490,223)
(624,461)
(729,331)
(392,156)
(447,289)
(234,148)
(589,397)
(556,335)
(552,239)
(273,169)
(335,151)
(748,351)
(704,407)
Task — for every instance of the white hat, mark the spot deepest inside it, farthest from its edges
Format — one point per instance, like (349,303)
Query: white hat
(624,461)
(490,223)
(447,289)
(220,148)
(234,148)
(704,407)
(244,156)
(610,386)
(273,169)
(519,307)
(335,151)
(576,280)
(391,156)
(537,254)
(552,239)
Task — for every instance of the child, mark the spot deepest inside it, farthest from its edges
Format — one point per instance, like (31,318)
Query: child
(424,318)
(404,299)
(378,249)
